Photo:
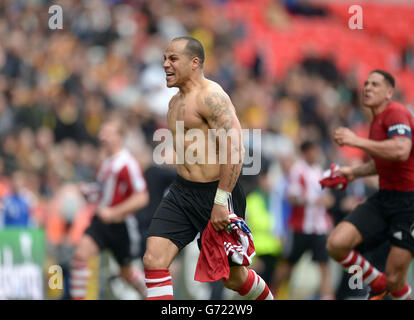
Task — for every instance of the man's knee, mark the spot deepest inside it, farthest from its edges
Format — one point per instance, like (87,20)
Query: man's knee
(236,278)
(335,245)
(153,260)
(398,262)
(86,249)
(395,279)
(231,284)
(159,253)
(395,276)
(342,240)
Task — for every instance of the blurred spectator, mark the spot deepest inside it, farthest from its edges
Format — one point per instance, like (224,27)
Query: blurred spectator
(309,222)
(5,185)
(408,56)
(304,7)
(280,207)
(16,205)
(6,117)
(262,223)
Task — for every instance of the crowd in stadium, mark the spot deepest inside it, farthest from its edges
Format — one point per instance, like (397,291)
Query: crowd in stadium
(58,86)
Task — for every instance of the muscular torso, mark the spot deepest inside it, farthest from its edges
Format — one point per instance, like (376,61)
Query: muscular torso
(192,159)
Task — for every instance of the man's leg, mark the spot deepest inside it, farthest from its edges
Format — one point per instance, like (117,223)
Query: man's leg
(321,257)
(85,269)
(135,278)
(283,273)
(398,262)
(268,270)
(325,288)
(247,283)
(158,256)
(340,245)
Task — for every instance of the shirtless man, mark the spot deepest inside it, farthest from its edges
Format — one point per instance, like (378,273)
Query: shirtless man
(203,190)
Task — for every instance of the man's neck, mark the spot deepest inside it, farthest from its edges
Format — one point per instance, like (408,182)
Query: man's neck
(380,108)
(115,151)
(309,163)
(191,84)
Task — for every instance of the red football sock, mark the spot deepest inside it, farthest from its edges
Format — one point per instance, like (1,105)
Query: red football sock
(254,288)
(159,284)
(370,275)
(402,294)
(79,276)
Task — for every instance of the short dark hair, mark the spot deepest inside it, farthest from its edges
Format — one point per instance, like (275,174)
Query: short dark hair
(307,145)
(194,48)
(388,77)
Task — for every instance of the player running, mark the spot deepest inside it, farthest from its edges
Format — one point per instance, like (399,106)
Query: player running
(203,190)
(114,226)
(389,213)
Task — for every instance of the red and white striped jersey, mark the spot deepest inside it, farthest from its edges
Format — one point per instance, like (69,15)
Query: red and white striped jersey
(119,177)
(303,183)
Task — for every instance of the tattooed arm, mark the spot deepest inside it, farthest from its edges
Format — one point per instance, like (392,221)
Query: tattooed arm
(363,170)
(220,115)
(217,109)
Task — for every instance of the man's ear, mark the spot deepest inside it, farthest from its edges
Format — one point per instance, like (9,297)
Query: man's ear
(390,93)
(195,63)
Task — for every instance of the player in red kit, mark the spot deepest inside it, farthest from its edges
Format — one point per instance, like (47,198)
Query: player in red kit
(123,190)
(389,213)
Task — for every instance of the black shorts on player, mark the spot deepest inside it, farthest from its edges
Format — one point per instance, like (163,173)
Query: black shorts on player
(122,239)
(186,209)
(386,215)
(298,243)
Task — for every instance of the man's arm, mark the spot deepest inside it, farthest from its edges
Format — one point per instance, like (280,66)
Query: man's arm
(394,149)
(397,148)
(119,212)
(220,114)
(132,177)
(363,170)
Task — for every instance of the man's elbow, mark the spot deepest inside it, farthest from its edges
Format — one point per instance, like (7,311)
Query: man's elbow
(142,199)
(145,199)
(402,154)
(401,149)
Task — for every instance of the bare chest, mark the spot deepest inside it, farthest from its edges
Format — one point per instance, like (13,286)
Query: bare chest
(183,113)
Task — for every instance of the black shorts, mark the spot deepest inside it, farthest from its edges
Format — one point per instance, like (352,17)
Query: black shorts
(386,215)
(298,243)
(186,209)
(122,239)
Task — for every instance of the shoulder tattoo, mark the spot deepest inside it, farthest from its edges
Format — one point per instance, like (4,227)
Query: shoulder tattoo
(220,112)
